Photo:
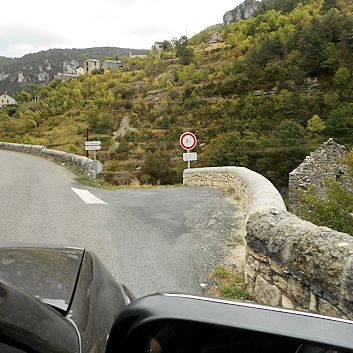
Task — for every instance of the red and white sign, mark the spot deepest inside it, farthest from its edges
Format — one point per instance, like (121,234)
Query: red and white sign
(188,141)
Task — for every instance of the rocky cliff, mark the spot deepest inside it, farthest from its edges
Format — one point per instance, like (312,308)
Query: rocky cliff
(245,10)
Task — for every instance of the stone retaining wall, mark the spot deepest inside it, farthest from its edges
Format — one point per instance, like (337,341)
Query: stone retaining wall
(84,164)
(289,262)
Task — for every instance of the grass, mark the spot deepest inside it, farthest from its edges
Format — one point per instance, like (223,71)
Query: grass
(102,184)
(229,284)
(98,183)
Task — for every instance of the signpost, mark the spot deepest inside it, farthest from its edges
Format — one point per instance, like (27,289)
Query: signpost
(94,146)
(189,157)
(188,141)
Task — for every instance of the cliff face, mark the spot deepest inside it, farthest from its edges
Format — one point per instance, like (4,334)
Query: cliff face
(245,10)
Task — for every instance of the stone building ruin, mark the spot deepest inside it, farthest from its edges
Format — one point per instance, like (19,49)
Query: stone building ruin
(324,163)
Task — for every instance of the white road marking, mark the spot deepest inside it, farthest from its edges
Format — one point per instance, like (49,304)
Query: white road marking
(87,197)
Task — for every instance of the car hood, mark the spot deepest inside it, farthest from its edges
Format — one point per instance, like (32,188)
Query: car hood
(49,274)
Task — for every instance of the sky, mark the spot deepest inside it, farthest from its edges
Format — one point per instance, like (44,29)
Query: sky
(29,26)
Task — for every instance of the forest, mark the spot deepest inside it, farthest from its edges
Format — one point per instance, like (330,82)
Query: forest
(278,86)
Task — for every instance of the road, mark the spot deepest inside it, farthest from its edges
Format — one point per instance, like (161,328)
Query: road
(163,239)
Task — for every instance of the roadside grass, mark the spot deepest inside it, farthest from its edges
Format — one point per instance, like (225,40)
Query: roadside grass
(228,284)
(102,184)
(97,183)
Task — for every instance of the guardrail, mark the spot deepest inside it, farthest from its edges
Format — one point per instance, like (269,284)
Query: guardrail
(85,165)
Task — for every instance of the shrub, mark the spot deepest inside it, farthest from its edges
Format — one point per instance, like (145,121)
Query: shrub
(158,167)
(336,211)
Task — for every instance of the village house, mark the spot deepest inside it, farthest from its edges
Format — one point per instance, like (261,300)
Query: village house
(5,100)
(216,38)
(157,47)
(91,64)
(64,77)
(141,56)
(111,64)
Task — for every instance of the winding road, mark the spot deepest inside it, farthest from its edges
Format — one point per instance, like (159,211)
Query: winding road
(163,239)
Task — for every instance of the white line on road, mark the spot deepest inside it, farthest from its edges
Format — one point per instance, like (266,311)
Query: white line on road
(87,197)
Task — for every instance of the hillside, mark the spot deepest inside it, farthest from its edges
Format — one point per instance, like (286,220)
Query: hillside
(276,88)
(40,68)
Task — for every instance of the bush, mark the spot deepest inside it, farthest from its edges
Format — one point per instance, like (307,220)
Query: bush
(158,167)
(336,210)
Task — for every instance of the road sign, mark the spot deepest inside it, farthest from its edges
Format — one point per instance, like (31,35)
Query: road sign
(191,156)
(92,148)
(188,141)
(93,143)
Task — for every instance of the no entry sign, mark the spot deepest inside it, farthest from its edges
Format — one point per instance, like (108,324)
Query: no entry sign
(188,141)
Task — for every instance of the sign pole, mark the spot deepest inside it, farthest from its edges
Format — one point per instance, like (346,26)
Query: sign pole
(189,163)
(95,164)
(94,146)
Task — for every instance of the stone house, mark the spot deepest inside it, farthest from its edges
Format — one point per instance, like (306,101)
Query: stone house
(6,100)
(141,56)
(80,71)
(216,38)
(111,64)
(91,64)
(64,77)
(157,47)
(324,163)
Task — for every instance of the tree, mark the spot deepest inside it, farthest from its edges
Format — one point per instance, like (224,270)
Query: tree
(167,45)
(328,4)
(315,125)
(340,124)
(183,51)
(157,166)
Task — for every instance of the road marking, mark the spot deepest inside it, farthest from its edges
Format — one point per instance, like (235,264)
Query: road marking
(87,197)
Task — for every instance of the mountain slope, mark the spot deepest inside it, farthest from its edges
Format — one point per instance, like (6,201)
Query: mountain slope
(41,67)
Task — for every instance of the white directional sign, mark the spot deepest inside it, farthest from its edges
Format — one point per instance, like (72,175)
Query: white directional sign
(188,141)
(92,148)
(92,145)
(189,157)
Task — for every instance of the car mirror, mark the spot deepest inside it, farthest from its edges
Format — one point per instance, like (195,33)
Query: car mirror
(186,324)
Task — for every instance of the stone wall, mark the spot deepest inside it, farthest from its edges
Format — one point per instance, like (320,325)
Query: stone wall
(289,262)
(84,164)
(324,163)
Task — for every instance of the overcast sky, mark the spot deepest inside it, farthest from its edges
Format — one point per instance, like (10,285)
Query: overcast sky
(28,26)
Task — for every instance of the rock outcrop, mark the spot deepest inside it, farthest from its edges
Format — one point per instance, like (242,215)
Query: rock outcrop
(245,10)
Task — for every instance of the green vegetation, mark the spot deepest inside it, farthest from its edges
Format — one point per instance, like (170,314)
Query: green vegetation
(229,284)
(278,87)
(336,210)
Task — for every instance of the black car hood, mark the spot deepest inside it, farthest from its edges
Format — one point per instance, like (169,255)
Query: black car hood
(49,274)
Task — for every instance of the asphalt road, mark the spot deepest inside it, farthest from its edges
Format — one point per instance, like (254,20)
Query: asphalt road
(163,239)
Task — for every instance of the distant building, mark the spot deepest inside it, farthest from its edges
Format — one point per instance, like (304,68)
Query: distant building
(133,56)
(80,71)
(5,100)
(216,38)
(91,64)
(157,46)
(73,72)
(70,67)
(64,77)
(111,64)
